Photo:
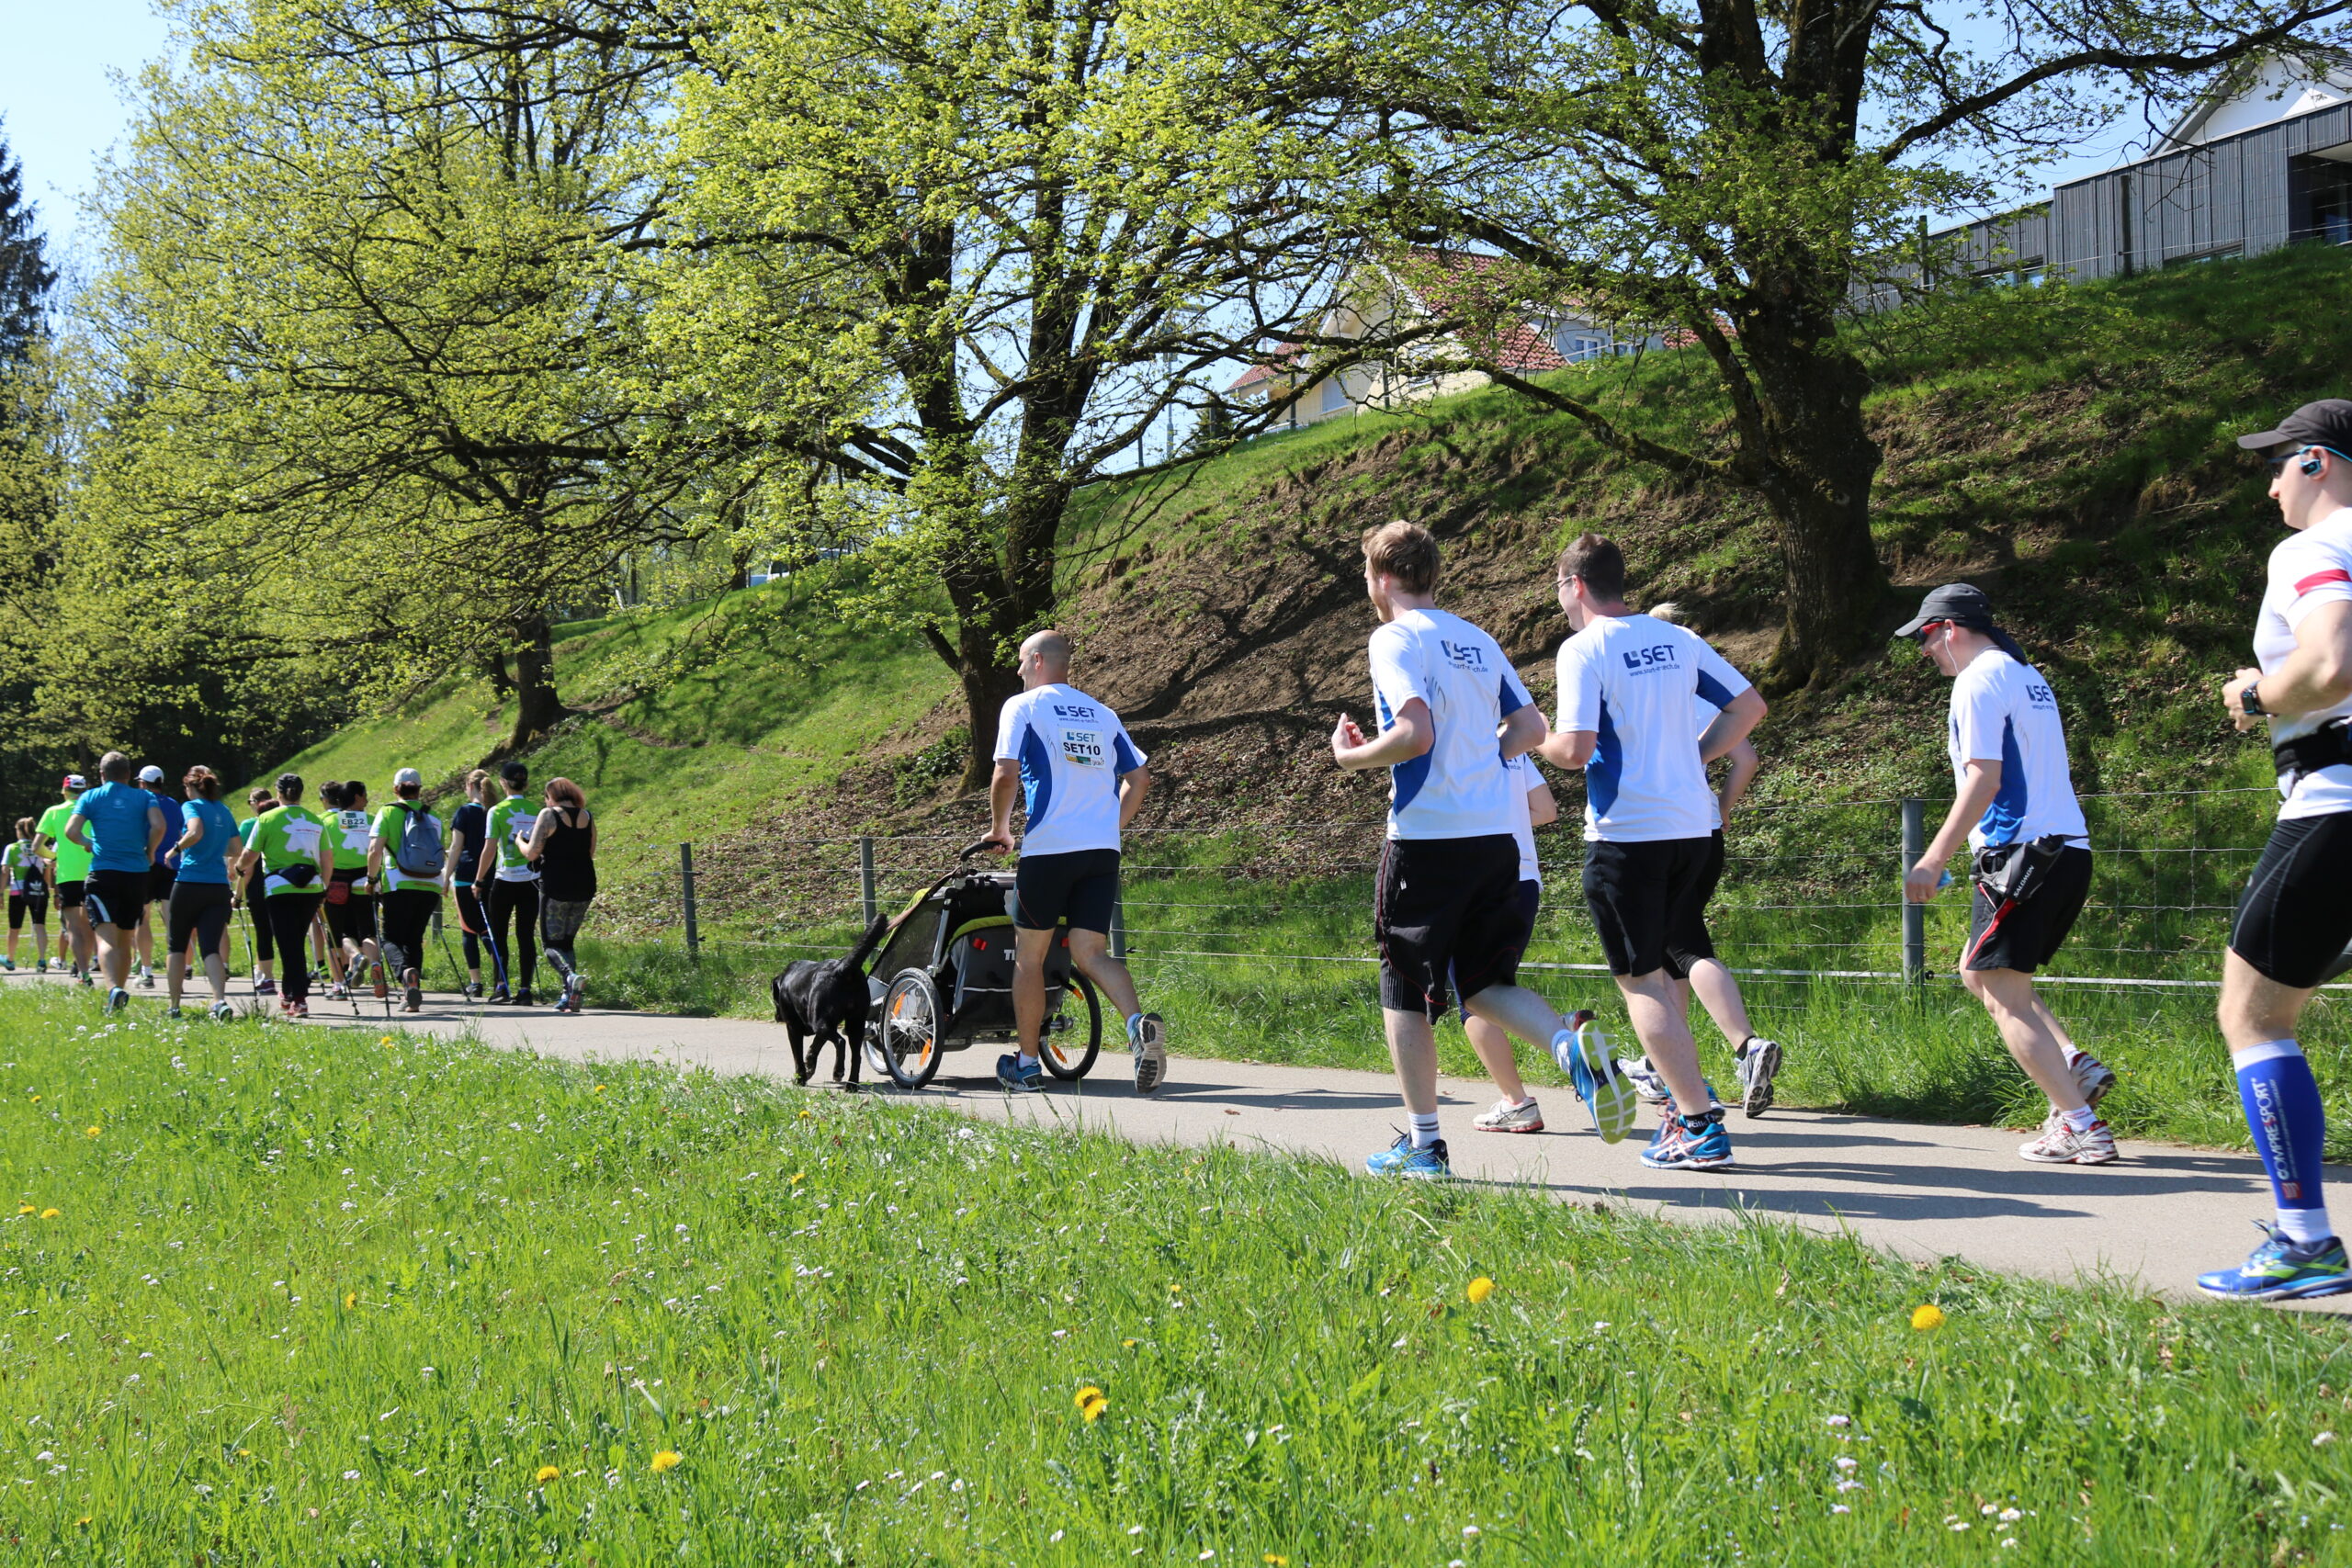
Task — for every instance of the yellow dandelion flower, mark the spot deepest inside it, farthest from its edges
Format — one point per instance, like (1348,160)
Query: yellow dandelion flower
(1927,1317)
(1126,1344)
(350,1300)
(1092,1409)
(23,1208)
(600,1088)
(244,1453)
(1084,1395)
(1278,1560)
(36,1100)
(83,1523)
(666,1461)
(806,1114)
(384,1040)
(1480,1288)
(50,1213)
(548,1472)
(93,1131)
(797,1178)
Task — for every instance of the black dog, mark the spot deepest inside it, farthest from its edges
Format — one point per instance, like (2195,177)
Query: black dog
(816,1001)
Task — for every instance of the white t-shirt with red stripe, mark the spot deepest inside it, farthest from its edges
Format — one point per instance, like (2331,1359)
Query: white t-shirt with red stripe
(2307,569)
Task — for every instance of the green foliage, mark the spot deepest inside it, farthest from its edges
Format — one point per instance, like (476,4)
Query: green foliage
(312,1301)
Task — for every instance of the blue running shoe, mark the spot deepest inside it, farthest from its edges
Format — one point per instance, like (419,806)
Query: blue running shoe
(1015,1078)
(1401,1158)
(2282,1270)
(1689,1143)
(116,999)
(1582,1051)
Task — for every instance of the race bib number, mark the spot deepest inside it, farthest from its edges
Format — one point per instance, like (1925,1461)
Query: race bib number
(1084,748)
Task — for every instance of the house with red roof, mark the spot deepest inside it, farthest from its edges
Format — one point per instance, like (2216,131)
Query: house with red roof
(1388,298)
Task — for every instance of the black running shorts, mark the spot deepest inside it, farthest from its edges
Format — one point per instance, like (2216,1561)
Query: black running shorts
(2295,919)
(1447,911)
(160,879)
(1530,904)
(2026,936)
(116,898)
(354,919)
(70,893)
(198,910)
(1649,901)
(20,904)
(1081,886)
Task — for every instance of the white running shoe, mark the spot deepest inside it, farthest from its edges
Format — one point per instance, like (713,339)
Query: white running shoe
(2061,1145)
(2093,1077)
(1511,1116)
(1645,1079)
(1756,1068)
(1148,1040)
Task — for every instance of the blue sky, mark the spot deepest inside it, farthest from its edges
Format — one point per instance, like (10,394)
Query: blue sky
(58,109)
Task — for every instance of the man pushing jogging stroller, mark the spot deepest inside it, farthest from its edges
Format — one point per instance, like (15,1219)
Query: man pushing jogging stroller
(1080,780)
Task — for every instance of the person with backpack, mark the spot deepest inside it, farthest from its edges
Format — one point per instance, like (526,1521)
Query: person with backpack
(514,903)
(408,856)
(248,898)
(563,846)
(28,894)
(289,849)
(198,907)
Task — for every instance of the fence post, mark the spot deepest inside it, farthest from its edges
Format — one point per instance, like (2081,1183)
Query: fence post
(865,877)
(1915,916)
(686,886)
(1119,924)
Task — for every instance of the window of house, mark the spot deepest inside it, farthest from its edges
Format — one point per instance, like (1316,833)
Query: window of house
(1335,396)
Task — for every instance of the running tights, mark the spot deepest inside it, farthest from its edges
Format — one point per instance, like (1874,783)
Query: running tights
(407,912)
(290,915)
(559,923)
(471,920)
(515,905)
(257,909)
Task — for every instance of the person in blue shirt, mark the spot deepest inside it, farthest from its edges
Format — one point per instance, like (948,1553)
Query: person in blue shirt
(119,824)
(202,897)
(160,875)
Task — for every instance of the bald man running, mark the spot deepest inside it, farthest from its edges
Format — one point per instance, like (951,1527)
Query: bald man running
(1080,780)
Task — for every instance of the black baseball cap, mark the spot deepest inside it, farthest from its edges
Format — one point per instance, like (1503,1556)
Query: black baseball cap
(515,772)
(2327,423)
(1962,602)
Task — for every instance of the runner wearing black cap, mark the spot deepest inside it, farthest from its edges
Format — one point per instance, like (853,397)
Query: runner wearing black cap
(160,876)
(2295,919)
(2016,809)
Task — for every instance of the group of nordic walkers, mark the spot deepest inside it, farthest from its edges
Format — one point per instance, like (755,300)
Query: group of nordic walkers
(344,893)
(1645,707)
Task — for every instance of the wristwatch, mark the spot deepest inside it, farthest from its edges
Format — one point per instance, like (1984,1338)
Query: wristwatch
(2250,700)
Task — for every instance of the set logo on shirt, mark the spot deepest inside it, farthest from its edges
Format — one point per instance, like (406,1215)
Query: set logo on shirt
(1464,656)
(1083,747)
(1640,658)
(2041,696)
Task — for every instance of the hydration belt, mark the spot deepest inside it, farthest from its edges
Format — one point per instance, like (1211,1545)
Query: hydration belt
(2326,747)
(2014,871)
(297,876)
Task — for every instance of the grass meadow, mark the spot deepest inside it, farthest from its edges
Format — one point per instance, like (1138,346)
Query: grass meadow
(275,1296)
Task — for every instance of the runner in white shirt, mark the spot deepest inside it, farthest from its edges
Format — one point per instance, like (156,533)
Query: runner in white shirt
(1452,714)
(1081,780)
(1633,691)
(2015,806)
(2295,921)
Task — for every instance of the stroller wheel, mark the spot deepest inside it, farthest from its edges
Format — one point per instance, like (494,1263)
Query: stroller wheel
(1072,1037)
(910,1045)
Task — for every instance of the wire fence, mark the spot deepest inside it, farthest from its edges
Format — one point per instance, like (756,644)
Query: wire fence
(1810,891)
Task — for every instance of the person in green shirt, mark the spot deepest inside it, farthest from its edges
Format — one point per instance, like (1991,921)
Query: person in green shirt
(69,872)
(28,894)
(290,847)
(249,897)
(514,894)
(408,850)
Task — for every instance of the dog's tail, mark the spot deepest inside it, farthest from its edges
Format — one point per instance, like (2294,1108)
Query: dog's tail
(870,941)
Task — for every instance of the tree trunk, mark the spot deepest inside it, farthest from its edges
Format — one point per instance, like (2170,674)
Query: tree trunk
(537,709)
(1814,462)
(986,688)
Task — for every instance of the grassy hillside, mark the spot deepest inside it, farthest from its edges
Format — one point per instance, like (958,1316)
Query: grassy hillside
(2069,449)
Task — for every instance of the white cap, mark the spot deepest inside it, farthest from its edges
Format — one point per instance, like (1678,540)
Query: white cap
(151,774)
(75,781)
(406,777)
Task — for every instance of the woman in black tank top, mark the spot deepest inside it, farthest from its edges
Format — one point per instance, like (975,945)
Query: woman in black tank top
(563,846)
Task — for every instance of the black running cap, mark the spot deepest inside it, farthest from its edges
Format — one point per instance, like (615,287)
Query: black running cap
(1962,603)
(514,772)
(2327,423)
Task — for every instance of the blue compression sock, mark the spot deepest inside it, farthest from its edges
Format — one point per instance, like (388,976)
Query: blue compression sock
(2290,1127)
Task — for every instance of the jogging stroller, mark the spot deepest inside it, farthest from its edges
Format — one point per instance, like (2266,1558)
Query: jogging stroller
(943,982)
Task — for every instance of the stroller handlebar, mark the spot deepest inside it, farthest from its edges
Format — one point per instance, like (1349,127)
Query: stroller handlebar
(968,851)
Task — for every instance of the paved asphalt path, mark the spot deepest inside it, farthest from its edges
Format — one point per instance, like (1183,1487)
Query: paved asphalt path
(1920,1191)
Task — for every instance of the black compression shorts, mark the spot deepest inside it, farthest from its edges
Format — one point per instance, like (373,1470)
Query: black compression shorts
(1648,901)
(1447,911)
(23,903)
(70,893)
(2296,920)
(198,910)
(2028,935)
(116,898)
(1081,886)
(160,879)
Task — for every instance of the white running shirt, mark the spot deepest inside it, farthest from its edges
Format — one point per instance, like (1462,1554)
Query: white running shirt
(2003,711)
(2307,569)
(1638,683)
(1460,787)
(1073,752)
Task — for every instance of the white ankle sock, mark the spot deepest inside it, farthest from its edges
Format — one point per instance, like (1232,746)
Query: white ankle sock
(1424,1128)
(2081,1121)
